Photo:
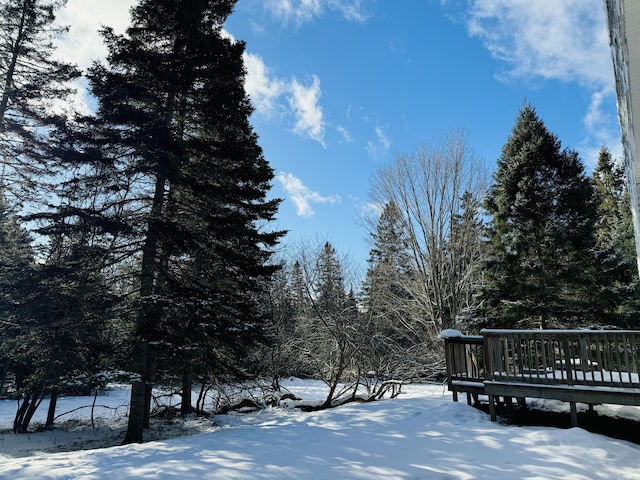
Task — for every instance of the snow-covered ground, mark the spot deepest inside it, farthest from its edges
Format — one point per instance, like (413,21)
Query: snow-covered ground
(422,434)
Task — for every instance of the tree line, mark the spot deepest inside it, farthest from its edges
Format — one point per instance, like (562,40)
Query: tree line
(540,244)
(136,239)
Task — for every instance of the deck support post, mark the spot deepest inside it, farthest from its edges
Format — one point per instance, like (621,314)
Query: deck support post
(574,414)
(492,408)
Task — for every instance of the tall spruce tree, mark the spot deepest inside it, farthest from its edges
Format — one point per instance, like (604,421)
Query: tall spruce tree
(181,187)
(541,232)
(387,299)
(615,243)
(387,286)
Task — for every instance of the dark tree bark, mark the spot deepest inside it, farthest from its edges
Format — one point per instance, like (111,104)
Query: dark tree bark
(51,412)
(186,407)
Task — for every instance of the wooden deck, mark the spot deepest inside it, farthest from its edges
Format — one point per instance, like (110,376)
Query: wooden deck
(575,366)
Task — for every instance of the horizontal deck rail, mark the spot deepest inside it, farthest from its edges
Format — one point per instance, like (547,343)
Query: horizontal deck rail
(586,366)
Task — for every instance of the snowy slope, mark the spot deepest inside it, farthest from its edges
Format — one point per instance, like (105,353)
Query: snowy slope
(422,434)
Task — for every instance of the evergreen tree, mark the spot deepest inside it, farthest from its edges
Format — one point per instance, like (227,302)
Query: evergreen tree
(615,242)
(182,186)
(614,227)
(541,232)
(16,261)
(387,295)
(330,289)
(62,337)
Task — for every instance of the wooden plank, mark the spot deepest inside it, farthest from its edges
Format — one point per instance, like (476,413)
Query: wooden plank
(622,396)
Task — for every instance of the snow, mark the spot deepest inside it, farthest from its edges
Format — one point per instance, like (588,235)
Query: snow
(421,434)
(450,333)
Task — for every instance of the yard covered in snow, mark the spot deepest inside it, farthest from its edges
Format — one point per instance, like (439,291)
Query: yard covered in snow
(421,434)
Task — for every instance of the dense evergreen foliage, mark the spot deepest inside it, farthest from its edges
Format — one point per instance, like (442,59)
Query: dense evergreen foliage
(542,271)
(615,245)
(172,97)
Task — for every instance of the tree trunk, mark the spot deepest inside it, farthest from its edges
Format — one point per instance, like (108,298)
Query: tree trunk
(22,409)
(187,385)
(51,413)
(3,377)
(146,323)
(148,395)
(136,413)
(28,408)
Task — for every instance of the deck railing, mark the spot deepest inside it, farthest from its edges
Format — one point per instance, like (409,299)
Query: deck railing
(585,366)
(563,357)
(465,364)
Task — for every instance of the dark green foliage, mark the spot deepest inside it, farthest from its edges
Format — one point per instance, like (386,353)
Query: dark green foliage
(541,232)
(615,253)
(329,288)
(387,286)
(181,186)
(16,263)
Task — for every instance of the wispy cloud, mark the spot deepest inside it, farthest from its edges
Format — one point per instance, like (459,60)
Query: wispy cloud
(299,12)
(381,144)
(263,88)
(270,94)
(302,196)
(304,100)
(553,40)
(564,40)
(344,133)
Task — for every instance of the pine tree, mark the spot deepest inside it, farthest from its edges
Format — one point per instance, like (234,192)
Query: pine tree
(330,288)
(541,232)
(387,295)
(62,337)
(615,243)
(16,261)
(467,253)
(182,186)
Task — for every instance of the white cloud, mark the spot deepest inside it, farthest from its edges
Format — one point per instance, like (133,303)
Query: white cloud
(344,133)
(268,93)
(262,88)
(554,40)
(302,196)
(565,40)
(381,144)
(304,103)
(304,11)
(82,45)
(598,124)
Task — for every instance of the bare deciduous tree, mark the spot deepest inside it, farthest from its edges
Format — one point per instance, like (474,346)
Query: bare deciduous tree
(437,190)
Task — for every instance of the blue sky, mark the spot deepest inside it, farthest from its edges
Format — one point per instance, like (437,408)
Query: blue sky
(342,86)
